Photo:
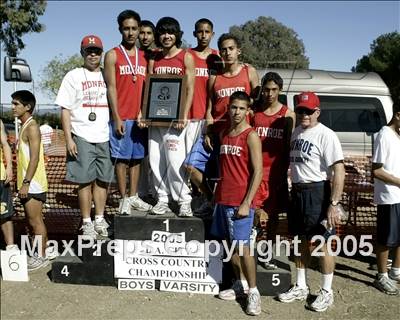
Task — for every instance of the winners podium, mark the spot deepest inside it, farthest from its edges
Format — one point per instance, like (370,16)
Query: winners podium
(166,253)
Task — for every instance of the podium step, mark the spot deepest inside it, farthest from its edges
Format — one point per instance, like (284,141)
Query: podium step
(139,226)
(71,269)
(273,281)
(101,251)
(270,281)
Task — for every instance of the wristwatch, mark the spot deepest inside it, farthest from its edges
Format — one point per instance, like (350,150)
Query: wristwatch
(334,203)
(26,181)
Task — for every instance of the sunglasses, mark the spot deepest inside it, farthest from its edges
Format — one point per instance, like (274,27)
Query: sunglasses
(305,111)
(96,51)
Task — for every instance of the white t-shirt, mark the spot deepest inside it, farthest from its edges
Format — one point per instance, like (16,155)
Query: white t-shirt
(387,152)
(312,152)
(83,92)
(46,132)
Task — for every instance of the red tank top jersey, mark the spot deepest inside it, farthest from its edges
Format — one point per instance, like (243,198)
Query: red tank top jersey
(235,172)
(202,72)
(271,130)
(224,87)
(173,65)
(129,93)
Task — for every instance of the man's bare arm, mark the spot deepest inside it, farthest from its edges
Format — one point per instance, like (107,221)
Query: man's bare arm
(383,175)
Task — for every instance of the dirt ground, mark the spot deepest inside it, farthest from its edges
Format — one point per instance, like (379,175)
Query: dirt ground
(39,298)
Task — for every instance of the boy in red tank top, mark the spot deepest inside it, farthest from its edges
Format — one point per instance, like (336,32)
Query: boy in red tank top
(234,76)
(240,177)
(274,124)
(169,146)
(125,73)
(207,62)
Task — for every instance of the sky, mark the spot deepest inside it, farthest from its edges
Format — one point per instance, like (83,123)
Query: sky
(335,33)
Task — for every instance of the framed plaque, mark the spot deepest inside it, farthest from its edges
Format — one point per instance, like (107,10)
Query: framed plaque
(164,99)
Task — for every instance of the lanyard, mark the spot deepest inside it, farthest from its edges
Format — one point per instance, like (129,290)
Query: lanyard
(129,60)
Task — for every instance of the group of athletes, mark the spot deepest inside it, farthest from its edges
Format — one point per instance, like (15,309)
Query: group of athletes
(231,122)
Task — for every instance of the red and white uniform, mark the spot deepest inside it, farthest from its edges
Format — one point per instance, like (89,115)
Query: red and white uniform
(224,86)
(202,73)
(275,152)
(129,92)
(174,65)
(235,173)
(168,147)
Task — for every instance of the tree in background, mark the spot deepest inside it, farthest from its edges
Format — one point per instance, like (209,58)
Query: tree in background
(18,18)
(384,59)
(52,74)
(266,43)
(185,44)
(53,119)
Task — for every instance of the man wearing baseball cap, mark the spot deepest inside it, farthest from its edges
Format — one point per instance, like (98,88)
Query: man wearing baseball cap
(317,173)
(85,115)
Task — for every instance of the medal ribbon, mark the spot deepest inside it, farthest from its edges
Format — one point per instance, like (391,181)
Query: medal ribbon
(122,48)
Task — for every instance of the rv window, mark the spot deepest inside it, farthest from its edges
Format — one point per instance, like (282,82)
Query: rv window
(352,114)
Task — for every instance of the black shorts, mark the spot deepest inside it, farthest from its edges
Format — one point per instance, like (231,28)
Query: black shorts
(37,196)
(6,205)
(308,207)
(388,225)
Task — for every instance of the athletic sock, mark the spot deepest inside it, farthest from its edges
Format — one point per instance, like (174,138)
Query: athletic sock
(99,218)
(253,290)
(87,220)
(327,281)
(395,271)
(245,285)
(301,278)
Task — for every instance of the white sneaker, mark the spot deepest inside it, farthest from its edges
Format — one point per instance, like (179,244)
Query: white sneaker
(51,253)
(386,285)
(185,210)
(294,293)
(139,205)
(160,208)
(35,262)
(124,208)
(88,230)
(101,228)
(323,301)
(236,291)
(269,265)
(253,303)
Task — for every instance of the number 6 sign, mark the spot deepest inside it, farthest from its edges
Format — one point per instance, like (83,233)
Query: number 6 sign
(14,266)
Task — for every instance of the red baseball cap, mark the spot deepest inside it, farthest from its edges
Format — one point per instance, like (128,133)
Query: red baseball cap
(91,41)
(307,100)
